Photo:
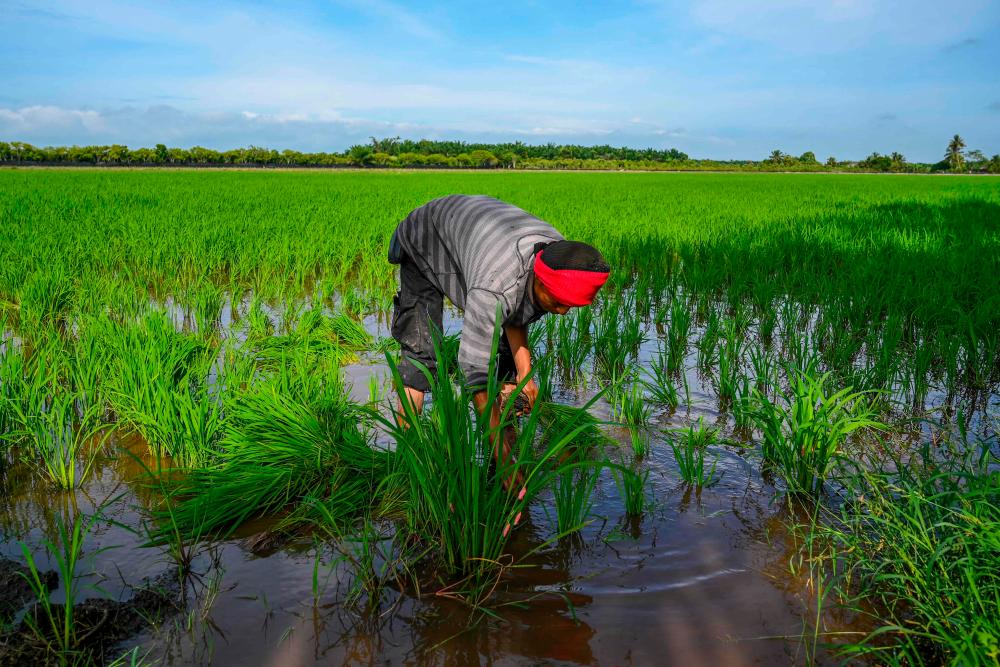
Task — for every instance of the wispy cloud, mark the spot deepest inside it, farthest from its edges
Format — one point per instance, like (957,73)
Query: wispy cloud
(398,16)
(962,44)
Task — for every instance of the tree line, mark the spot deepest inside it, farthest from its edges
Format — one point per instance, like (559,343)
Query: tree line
(396,152)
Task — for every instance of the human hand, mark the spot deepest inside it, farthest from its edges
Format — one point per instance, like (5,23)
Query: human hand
(530,393)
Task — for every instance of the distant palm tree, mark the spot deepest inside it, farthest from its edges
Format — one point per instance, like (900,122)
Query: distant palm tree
(776,156)
(954,155)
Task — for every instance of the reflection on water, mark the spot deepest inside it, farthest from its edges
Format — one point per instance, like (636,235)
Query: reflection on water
(702,577)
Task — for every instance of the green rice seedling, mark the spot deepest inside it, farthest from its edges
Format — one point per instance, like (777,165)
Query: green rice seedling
(46,299)
(678,333)
(708,344)
(573,494)
(630,323)
(557,420)
(923,362)
(351,333)
(611,349)
(573,344)
(632,487)
(543,366)
(659,380)
(799,349)
(207,302)
(257,322)
(290,437)
(186,425)
(58,444)
(916,548)
(456,501)
(634,412)
(689,446)
(765,376)
(89,367)
(291,311)
(55,625)
(730,353)
(804,431)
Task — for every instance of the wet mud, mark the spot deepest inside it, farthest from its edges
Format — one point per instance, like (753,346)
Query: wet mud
(100,625)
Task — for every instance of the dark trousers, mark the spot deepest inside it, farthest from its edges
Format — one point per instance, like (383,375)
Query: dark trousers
(417,310)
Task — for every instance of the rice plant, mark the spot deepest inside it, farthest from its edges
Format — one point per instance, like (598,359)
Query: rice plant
(805,430)
(916,551)
(286,439)
(455,499)
(632,487)
(54,625)
(689,446)
(677,333)
(573,494)
(65,451)
(631,408)
(659,381)
(207,302)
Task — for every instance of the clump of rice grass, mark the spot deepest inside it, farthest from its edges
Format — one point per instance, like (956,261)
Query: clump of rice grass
(729,356)
(689,446)
(463,494)
(631,408)
(257,322)
(573,494)
(206,302)
(286,439)
(677,333)
(914,550)
(557,419)
(659,381)
(46,299)
(60,445)
(157,388)
(631,485)
(805,430)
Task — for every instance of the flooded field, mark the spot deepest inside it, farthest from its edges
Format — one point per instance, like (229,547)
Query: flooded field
(760,392)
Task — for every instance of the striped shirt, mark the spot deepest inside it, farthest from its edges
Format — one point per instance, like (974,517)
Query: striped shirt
(478,251)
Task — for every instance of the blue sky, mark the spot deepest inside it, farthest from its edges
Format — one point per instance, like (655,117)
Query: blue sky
(715,78)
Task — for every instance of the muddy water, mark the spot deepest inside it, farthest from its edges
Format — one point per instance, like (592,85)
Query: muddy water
(700,579)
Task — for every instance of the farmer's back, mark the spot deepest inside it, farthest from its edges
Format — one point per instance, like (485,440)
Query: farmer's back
(467,242)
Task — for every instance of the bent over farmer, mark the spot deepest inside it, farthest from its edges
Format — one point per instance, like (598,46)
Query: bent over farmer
(480,252)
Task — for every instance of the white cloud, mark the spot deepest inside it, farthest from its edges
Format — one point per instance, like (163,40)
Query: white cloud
(31,118)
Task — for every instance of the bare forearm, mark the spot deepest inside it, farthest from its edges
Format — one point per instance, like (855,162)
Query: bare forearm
(517,338)
(480,400)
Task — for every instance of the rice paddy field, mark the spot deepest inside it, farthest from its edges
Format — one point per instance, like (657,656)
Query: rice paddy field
(773,439)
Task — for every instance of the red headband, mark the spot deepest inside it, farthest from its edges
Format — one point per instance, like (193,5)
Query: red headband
(571,287)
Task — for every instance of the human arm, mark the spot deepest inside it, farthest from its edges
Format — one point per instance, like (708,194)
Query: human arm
(517,338)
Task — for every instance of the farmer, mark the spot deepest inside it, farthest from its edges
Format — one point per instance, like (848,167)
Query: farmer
(480,252)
